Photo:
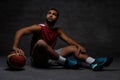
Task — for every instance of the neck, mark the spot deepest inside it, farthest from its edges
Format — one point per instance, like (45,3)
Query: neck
(50,24)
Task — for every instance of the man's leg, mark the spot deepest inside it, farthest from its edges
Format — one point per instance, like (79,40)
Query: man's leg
(73,51)
(96,64)
(42,52)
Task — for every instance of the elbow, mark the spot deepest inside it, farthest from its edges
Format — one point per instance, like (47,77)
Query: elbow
(20,32)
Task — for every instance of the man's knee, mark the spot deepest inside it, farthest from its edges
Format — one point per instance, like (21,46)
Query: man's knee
(69,50)
(73,48)
(41,43)
(39,48)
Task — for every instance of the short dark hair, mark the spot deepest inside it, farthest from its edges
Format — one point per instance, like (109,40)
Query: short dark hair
(56,11)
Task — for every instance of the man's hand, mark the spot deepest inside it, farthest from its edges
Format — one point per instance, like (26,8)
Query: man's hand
(18,50)
(81,49)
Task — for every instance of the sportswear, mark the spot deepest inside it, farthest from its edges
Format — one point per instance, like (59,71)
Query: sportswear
(71,63)
(100,63)
(47,34)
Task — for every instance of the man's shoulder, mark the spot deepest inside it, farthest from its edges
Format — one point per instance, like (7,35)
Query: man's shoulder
(43,25)
(57,28)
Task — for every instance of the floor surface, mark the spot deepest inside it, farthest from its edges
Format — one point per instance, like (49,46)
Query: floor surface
(58,73)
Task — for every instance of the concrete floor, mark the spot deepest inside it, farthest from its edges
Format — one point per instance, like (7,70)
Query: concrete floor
(58,73)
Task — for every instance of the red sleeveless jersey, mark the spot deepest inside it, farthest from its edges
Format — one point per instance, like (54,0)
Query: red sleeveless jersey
(46,34)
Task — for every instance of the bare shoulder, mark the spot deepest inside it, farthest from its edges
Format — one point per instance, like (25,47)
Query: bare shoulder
(35,27)
(59,30)
(32,28)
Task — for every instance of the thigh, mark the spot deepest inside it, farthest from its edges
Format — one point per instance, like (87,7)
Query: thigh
(69,50)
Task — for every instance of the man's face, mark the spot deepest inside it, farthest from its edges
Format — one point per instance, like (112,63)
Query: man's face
(51,16)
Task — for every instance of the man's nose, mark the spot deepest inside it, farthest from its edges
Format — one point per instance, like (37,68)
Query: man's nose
(50,15)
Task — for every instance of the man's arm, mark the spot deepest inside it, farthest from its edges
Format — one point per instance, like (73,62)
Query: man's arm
(20,33)
(70,41)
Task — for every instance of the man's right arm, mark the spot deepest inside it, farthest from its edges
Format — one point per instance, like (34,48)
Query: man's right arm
(24,31)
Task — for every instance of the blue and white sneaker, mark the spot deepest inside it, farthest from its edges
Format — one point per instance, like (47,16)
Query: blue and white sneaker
(71,63)
(100,63)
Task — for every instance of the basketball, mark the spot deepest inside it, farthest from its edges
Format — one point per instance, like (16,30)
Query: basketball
(16,60)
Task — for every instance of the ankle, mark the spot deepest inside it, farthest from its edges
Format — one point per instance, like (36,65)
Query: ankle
(61,60)
(90,60)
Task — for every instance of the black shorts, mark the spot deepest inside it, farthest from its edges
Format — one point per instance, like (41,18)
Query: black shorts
(40,61)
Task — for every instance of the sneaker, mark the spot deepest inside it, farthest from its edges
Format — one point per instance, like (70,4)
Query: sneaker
(71,63)
(104,61)
(96,67)
(100,63)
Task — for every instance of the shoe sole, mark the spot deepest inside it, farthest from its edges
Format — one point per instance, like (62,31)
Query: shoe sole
(98,68)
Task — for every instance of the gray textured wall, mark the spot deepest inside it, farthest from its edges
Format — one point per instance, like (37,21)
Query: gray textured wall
(94,24)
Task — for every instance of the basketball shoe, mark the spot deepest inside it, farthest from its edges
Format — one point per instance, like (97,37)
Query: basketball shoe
(100,63)
(71,63)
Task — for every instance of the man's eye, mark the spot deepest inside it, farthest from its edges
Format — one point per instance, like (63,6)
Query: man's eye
(49,12)
(54,14)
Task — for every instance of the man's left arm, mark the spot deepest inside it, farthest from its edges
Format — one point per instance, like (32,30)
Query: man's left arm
(70,41)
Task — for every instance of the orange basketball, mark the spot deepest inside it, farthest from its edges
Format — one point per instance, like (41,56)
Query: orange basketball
(16,60)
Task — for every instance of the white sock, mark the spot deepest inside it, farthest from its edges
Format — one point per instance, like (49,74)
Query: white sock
(90,60)
(62,59)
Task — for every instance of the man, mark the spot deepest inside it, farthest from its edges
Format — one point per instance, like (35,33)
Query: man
(43,42)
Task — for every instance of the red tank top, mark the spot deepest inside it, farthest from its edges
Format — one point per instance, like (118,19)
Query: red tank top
(46,34)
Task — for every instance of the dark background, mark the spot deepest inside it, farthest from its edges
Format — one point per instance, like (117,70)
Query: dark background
(92,23)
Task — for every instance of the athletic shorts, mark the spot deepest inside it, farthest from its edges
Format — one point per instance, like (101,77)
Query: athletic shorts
(45,63)
(53,62)
(58,51)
